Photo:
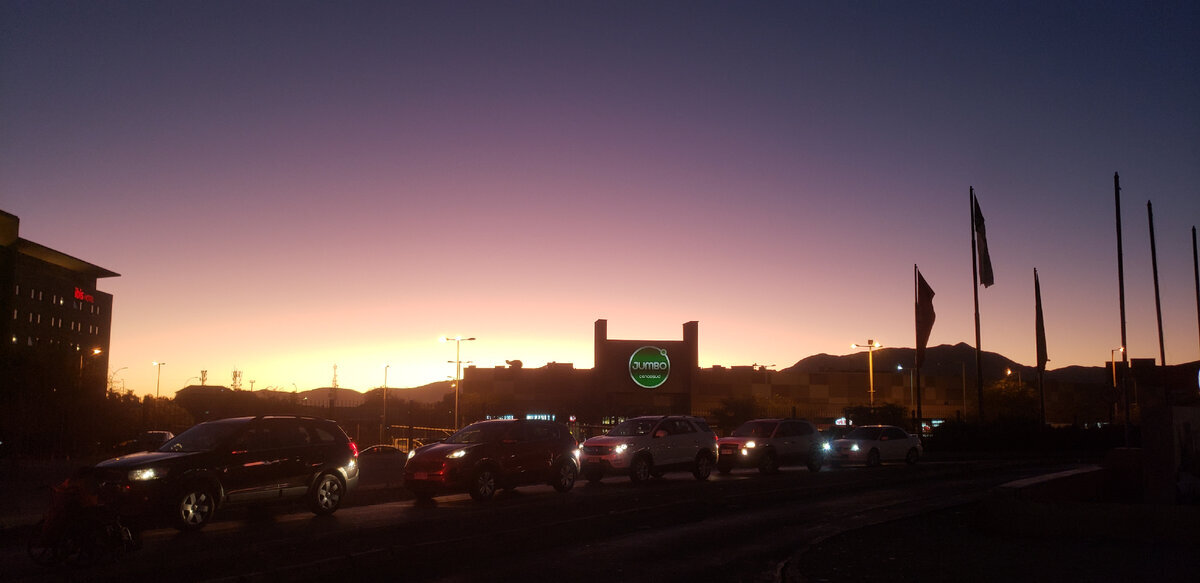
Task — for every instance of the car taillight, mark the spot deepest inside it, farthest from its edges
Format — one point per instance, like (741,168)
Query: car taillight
(353,448)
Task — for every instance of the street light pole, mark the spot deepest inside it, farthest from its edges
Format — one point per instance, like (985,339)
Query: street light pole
(1113,354)
(158,382)
(383,415)
(458,340)
(870,346)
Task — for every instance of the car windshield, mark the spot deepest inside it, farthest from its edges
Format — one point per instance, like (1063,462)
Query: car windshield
(868,433)
(478,433)
(755,429)
(203,437)
(633,427)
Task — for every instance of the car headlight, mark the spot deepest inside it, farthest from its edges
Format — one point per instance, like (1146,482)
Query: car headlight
(854,447)
(145,474)
(620,449)
(457,453)
(827,446)
(411,453)
(749,444)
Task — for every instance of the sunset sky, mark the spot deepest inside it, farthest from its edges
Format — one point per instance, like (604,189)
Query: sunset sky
(289,186)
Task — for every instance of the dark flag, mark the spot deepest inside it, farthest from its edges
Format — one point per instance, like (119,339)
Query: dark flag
(985,260)
(1040,324)
(925,316)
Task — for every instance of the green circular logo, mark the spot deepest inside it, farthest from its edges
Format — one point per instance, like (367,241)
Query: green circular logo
(649,367)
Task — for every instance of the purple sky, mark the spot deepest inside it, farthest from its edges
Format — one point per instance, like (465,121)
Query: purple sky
(289,186)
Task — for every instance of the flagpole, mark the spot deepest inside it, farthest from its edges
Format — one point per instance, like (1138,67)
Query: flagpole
(1121,291)
(1196,274)
(1040,340)
(975,290)
(1162,351)
(916,359)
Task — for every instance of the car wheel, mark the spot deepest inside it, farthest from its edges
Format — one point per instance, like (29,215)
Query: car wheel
(483,484)
(194,508)
(912,456)
(640,470)
(873,458)
(724,467)
(594,475)
(564,476)
(326,495)
(815,460)
(768,464)
(704,466)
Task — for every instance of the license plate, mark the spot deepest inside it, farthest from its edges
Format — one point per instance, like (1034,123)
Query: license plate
(592,459)
(420,475)
(727,450)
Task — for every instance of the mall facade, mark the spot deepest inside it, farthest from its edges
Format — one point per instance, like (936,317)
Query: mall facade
(56,324)
(651,377)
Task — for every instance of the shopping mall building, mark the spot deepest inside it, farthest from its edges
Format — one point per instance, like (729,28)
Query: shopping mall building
(641,377)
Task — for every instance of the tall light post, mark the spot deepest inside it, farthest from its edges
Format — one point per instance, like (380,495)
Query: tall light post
(1113,353)
(458,340)
(871,345)
(158,381)
(383,415)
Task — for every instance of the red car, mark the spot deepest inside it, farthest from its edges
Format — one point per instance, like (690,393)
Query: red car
(501,453)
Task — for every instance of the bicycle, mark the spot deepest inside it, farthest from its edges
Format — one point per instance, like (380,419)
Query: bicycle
(78,529)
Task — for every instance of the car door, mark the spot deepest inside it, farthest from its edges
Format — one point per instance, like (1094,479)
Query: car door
(895,444)
(786,441)
(254,471)
(297,458)
(685,441)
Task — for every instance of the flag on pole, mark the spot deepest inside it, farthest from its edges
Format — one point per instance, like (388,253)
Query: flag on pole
(1040,324)
(925,316)
(985,260)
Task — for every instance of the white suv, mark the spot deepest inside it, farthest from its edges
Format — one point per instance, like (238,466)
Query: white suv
(650,446)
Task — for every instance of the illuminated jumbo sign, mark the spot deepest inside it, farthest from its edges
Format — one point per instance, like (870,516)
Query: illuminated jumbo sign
(81,295)
(649,367)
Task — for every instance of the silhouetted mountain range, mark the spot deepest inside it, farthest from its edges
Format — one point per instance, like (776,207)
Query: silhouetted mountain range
(942,360)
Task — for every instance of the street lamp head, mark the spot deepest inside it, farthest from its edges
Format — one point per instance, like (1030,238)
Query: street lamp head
(156,363)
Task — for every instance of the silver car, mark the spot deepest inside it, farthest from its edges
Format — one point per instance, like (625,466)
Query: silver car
(872,444)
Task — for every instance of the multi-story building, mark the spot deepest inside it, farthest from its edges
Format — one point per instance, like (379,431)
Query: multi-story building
(54,327)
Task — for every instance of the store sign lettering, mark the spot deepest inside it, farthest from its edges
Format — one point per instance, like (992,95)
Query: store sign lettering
(649,367)
(80,295)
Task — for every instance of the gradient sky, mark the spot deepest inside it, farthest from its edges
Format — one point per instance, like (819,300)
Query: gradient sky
(286,186)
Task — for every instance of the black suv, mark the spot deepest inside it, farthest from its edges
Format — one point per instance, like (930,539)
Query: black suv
(235,461)
(500,453)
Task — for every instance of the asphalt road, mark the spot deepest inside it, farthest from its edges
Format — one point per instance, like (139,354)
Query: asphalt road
(740,527)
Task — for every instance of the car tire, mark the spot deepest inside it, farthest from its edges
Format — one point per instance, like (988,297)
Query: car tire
(816,459)
(564,476)
(194,507)
(724,468)
(912,456)
(873,458)
(326,495)
(640,469)
(704,466)
(483,484)
(768,463)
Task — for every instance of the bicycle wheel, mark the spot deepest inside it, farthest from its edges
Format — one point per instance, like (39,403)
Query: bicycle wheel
(45,548)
